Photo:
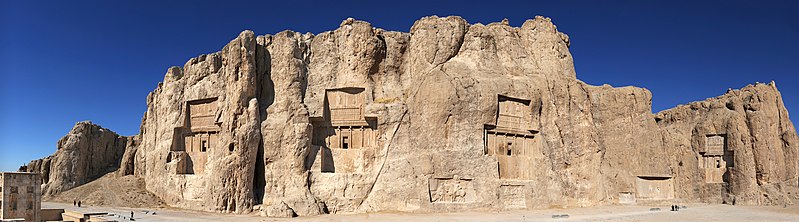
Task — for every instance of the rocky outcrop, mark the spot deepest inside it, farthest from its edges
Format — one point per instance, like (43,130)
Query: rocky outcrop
(225,85)
(760,139)
(86,153)
(450,116)
(127,164)
(431,96)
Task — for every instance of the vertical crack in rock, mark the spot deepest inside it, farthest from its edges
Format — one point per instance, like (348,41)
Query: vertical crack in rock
(385,158)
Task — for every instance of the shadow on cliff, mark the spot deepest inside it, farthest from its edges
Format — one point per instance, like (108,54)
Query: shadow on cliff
(266,97)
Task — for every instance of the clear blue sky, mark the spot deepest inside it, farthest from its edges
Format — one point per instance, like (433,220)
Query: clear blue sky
(64,61)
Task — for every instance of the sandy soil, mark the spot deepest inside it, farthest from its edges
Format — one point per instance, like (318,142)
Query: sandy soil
(696,212)
(110,190)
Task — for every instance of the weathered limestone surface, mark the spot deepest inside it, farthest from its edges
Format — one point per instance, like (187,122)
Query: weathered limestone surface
(758,132)
(225,184)
(361,119)
(87,152)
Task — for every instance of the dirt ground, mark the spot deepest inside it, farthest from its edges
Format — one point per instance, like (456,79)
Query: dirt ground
(696,212)
(110,190)
(121,195)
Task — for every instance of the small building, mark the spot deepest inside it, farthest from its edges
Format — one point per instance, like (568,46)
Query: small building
(20,196)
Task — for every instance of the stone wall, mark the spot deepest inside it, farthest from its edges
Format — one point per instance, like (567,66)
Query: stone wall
(20,196)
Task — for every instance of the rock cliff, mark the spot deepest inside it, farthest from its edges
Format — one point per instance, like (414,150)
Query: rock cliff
(759,147)
(450,116)
(86,153)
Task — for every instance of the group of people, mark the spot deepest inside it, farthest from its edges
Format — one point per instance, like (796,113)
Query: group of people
(675,208)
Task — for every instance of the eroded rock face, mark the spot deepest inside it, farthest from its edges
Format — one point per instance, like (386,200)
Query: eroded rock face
(754,158)
(451,116)
(201,132)
(86,153)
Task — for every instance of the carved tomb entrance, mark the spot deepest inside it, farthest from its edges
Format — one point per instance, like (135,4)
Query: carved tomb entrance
(513,139)
(344,138)
(198,135)
(717,159)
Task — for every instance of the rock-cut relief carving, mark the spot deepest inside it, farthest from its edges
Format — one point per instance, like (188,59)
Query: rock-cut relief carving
(451,190)
(654,188)
(344,137)
(716,158)
(199,133)
(512,139)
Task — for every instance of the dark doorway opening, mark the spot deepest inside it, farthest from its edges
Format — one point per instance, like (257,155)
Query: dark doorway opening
(259,181)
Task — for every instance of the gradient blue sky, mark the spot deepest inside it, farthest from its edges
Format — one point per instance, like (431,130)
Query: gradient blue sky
(62,61)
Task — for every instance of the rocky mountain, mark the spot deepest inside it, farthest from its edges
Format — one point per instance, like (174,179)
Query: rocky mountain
(450,116)
(86,153)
